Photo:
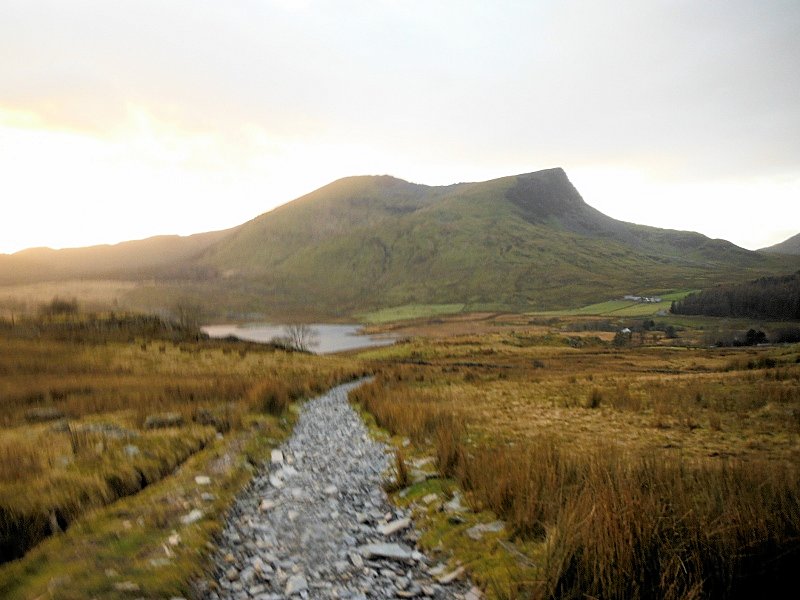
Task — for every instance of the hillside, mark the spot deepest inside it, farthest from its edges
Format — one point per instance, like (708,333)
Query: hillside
(528,241)
(167,255)
(360,243)
(776,298)
(790,246)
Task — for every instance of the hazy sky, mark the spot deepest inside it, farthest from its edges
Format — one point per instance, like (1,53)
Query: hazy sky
(125,119)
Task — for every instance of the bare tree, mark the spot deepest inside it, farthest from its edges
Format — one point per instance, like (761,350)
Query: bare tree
(186,313)
(300,336)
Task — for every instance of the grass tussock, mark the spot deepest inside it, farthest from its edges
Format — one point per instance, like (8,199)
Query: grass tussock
(416,415)
(614,526)
(610,520)
(87,419)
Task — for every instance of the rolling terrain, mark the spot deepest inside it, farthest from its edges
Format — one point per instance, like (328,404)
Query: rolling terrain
(790,246)
(362,243)
(159,255)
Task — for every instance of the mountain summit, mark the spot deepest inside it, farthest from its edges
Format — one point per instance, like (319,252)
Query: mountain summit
(522,242)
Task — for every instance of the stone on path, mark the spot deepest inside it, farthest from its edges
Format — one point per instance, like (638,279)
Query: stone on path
(390,551)
(126,586)
(295,585)
(454,505)
(394,526)
(476,532)
(315,522)
(356,559)
(451,576)
(473,594)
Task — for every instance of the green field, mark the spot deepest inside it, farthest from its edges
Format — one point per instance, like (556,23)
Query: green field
(622,308)
(410,311)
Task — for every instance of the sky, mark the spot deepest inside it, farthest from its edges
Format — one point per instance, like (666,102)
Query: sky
(125,119)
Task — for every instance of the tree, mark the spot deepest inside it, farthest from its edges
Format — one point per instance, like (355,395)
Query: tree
(186,314)
(60,307)
(300,336)
(622,338)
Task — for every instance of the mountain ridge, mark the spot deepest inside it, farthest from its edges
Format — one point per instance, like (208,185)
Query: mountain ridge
(519,242)
(787,246)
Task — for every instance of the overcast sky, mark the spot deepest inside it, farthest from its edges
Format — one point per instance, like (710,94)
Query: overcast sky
(125,119)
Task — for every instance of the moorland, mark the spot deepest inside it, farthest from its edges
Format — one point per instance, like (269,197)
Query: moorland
(124,441)
(361,244)
(580,407)
(648,464)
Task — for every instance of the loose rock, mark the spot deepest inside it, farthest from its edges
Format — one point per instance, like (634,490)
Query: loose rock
(316,522)
(295,585)
(192,517)
(395,526)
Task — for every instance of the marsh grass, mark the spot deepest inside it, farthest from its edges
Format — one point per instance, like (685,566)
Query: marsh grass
(87,420)
(612,464)
(636,527)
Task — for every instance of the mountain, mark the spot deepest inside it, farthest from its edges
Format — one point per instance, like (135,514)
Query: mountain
(521,242)
(790,246)
(156,256)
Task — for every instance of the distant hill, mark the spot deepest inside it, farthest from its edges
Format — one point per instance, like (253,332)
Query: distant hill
(157,256)
(776,298)
(360,243)
(790,246)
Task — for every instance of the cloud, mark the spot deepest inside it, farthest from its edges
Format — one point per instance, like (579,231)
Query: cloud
(677,90)
(682,88)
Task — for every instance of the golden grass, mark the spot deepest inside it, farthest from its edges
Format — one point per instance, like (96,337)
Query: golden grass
(635,473)
(87,423)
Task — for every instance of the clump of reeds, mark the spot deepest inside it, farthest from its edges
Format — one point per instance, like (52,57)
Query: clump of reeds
(401,477)
(615,525)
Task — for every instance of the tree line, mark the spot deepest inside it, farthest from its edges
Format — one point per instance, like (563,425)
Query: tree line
(775,298)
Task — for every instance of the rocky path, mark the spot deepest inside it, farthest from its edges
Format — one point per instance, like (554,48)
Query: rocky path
(317,524)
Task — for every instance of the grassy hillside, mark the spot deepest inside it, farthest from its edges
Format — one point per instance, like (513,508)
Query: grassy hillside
(526,242)
(167,255)
(790,246)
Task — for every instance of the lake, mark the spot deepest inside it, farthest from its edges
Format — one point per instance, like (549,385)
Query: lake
(330,338)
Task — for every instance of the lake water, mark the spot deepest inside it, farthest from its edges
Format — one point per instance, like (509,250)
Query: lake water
(329,338)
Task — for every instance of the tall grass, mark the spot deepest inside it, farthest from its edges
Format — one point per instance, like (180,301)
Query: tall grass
(73,414)
(612,524)
(617,526)
(417,415)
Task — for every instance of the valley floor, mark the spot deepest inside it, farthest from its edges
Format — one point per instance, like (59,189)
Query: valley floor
(542,456)
(634,466)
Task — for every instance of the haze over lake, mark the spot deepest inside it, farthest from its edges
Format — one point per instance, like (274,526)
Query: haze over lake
(329,338)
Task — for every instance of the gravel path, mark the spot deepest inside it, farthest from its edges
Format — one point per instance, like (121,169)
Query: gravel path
(317,524)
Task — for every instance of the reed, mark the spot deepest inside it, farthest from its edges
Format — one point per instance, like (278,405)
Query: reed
(611,521)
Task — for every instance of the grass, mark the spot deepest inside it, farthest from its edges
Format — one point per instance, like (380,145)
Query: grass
(410,311)
(141,539)
(657,470)
(94,427)
(495,245)
(625,308)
